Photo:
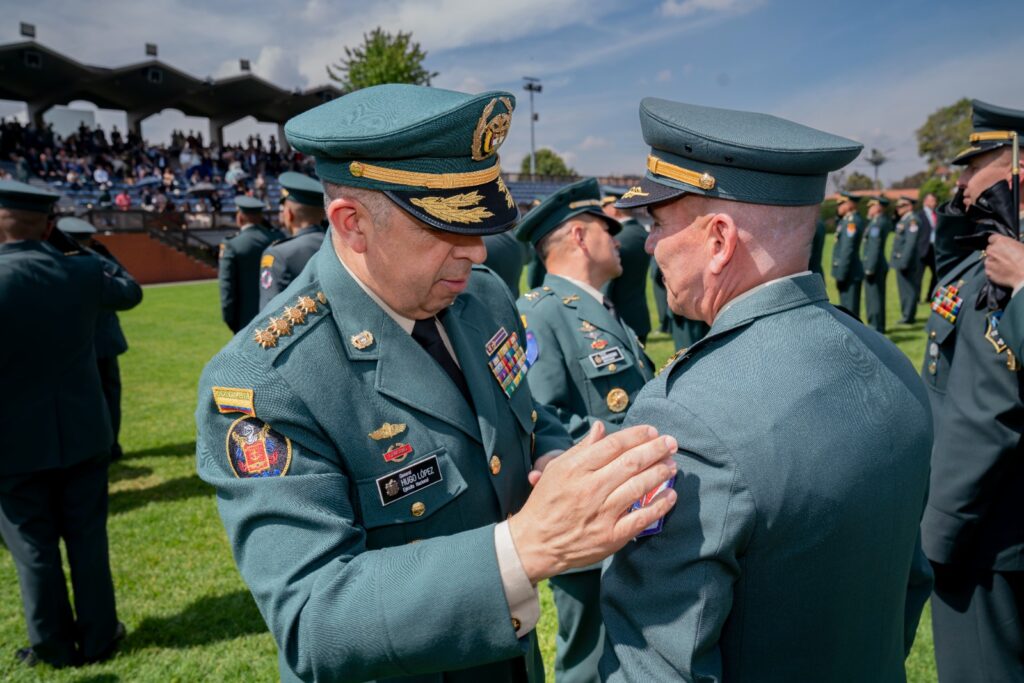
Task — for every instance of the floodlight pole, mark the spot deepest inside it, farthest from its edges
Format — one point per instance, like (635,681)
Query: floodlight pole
(532,86)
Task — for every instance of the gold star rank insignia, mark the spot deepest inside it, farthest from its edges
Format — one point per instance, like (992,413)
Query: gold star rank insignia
(294,315)
(307,305)
(265,338)
(280,327)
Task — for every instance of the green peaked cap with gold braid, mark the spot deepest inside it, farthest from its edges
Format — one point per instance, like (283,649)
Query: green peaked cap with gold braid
(433,152)
(583,196)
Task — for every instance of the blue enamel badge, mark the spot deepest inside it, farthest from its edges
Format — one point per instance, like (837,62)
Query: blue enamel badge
(532,349)
(256,450)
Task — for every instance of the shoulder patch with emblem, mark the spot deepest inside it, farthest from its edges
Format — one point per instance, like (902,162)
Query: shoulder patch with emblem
(232,400)
(266,261)
(851,229)
(255,450)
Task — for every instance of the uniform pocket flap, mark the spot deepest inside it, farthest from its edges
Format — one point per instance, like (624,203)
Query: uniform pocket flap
(411,493)
(939,329)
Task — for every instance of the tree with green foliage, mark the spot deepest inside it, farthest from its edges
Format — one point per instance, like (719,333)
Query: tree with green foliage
(945,133)
(383,58)
(942,190)
(548,163)
(858,181)
(911,181)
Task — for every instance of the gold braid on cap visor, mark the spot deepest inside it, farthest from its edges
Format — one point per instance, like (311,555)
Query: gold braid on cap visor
(704,181)
(430,181)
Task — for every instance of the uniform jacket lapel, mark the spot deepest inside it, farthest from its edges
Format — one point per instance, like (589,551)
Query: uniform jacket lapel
(469,342)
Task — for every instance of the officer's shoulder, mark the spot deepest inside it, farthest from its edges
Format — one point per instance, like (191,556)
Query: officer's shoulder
(539,297)
(283,326)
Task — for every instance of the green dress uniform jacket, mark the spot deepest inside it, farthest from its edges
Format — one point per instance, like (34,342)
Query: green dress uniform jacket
(359,489)
(875,270)
(792,553)
(628,292)
(283,260)
(847,269)
(589,366)
(238,270)
(975,507)
(1011,327)
(506,256)
(906,263)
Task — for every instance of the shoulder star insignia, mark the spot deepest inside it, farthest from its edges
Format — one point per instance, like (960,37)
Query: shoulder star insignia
(307,305)
(295,315)
(672,359)
(265,338)
(280,327)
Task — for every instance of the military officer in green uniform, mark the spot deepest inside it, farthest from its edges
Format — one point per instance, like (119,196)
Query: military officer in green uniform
(110,340)
(904,259)
(628,292)
(847,268)
(53,472)
(876,267)
(971,529)
(372,436)
(804,436)
(302,215)
(586,364)
(238,267)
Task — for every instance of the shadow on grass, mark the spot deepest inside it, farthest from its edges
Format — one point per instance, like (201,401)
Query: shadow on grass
(121,472)
(99,678)
(170,490)
(209,619)
(185,448)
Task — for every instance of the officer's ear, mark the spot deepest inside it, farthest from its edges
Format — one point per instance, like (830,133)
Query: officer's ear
(350,221)
(721,241)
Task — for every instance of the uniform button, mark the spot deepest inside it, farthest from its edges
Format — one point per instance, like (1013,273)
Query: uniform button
(931,334)
(932,368)
(516,624)
(495,465)
(418,509)
(613,367)
(533,416)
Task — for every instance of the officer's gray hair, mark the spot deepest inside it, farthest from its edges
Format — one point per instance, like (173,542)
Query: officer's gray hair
(376,202)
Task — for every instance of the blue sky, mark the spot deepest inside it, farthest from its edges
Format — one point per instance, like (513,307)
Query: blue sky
(872,71)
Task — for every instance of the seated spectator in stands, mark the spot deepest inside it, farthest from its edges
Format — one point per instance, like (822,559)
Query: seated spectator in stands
(100,176)
(104,199)
(146,201)
(73,179)
(122,200)
(259,186)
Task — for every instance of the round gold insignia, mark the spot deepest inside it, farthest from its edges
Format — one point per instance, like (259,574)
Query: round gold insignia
(617,400)
(490,133)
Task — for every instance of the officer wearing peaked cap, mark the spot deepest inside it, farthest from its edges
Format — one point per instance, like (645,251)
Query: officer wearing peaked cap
(769,521)
(302,215)
(971,528)
(847,267)
(238,266)
(586,364)
(57,437)
(372,436)
(876,268)
(904,258)
(628,292)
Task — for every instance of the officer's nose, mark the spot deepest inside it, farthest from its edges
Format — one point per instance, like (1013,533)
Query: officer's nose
(472,248)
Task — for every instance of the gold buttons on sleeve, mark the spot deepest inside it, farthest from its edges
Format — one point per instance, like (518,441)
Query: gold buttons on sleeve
(516,624)
(418,509)
(495,465)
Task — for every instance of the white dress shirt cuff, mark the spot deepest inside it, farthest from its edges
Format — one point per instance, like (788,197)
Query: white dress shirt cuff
(523,601)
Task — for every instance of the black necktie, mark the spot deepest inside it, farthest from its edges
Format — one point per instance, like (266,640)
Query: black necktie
(611,309)
(426,334)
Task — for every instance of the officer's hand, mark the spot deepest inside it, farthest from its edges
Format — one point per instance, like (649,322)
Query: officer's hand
(1004,261)
(538,467)
(578,512)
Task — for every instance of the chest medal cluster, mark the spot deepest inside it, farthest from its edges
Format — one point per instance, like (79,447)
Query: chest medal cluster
(947,302)
(507,360)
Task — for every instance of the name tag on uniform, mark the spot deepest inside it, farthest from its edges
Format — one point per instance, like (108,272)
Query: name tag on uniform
(606,357)
(417,476)
(656,527)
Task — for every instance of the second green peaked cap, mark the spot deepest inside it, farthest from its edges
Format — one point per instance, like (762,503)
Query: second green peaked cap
(431,151)
(583,196)
(735,155)
(994,127)
(299,187)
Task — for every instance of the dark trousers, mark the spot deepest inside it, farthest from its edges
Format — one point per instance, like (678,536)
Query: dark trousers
(874,299)
(908,295)
(978,625)
(37,511)
(110,378)
(849,296)
(580,639)
(928,263)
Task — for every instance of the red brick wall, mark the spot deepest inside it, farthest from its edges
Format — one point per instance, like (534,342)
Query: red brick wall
(150,261)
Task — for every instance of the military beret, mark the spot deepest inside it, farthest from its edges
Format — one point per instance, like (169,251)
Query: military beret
(994,127)
(25,197)
(581,197)
(75,226)
(300,188)
(247,204)
(433,152)
(735,155)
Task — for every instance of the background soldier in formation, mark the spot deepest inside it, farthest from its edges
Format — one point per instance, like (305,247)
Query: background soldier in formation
(53,474)
(971,529)
(238,268)
(586,365)
(847,269)
(302,215)
(875,266)
(905,260)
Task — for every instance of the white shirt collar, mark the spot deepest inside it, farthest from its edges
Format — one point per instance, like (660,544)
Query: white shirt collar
(585,287)
(756,289)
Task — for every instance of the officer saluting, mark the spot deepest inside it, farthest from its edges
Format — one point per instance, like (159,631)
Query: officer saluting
(847,268)
(904,258)
(53,471)
(372,436)
(239,264)
(795,498)
(586,365)
(302,214)
(875,267)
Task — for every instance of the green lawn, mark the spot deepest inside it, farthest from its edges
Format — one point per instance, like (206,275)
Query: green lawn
(189,616)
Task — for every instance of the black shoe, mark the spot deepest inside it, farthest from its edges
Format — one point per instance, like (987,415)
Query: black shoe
(26,656)
(110,650)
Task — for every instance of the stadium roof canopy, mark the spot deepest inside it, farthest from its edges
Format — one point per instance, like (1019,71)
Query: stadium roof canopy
(43,78)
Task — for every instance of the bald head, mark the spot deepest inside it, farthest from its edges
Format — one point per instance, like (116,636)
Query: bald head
(18,225)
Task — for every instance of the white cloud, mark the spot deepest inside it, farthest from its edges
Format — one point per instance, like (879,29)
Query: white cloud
(664,76)
(684,8)
(593,142)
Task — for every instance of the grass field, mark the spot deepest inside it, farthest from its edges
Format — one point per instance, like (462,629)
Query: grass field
(189,615)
